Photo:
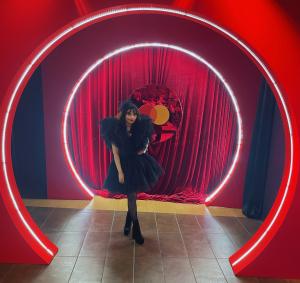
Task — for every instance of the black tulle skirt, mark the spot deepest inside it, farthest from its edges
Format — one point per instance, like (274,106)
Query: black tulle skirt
(141,173)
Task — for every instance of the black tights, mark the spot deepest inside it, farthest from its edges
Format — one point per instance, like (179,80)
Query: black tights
(132,205)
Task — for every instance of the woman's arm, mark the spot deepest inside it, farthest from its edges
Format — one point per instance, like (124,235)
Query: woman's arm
(115,151)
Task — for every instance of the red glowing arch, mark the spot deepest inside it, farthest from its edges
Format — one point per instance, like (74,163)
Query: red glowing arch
(36,244)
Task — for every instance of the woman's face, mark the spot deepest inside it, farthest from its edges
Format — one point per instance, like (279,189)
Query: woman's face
(130,117)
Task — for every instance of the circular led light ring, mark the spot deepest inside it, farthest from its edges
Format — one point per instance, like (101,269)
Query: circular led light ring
(96,17)
(140,45)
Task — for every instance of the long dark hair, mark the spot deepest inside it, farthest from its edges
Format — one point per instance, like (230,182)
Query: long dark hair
(123,109)
(141,129)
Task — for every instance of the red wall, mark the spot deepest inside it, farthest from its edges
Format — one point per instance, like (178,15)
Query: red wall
(64,66)
(265,25)
(268,27)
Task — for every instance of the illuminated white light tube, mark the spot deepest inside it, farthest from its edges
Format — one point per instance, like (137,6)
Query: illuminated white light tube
(172,12)
(152,44)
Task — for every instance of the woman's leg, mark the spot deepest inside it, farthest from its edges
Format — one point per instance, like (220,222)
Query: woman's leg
(132,209)
(130,213)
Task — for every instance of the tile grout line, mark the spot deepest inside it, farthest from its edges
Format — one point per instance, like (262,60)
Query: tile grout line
(59,232)
(245,228)
(234,243)
(212,250)
(185,247)
(134,251)
(47,217)
(65,224)
(108,243)
(225,277)
(133,261)
(78,253)
(201,228)
(206,236)
(228,235)
(161,255)
(43,224)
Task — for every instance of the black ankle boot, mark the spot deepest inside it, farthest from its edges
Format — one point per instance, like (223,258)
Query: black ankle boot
(127,226)
(136,232)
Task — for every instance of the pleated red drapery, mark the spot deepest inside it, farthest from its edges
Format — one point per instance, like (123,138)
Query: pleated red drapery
(195,159)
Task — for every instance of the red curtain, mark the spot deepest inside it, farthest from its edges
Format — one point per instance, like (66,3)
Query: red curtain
(195,159)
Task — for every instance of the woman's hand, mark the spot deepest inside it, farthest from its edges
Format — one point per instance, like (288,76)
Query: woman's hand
(145,149)
(121,177)
(118,163)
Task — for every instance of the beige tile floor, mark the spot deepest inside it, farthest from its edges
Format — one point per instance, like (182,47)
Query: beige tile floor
(183,243)
(101,203)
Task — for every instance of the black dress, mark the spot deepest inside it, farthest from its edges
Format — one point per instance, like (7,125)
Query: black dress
(141,171)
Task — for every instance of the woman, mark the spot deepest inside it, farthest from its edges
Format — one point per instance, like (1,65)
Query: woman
(132,170)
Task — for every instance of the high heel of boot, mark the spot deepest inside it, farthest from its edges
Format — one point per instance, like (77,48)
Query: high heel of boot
(136,232)
(127,226)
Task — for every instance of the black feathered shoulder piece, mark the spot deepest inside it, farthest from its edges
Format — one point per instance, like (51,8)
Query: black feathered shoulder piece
(142,132)
(108,131)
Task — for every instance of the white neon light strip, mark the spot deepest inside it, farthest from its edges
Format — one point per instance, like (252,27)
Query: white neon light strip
(150,9)
(152,44)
